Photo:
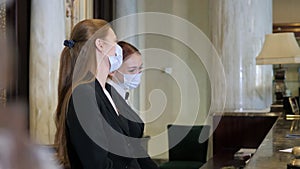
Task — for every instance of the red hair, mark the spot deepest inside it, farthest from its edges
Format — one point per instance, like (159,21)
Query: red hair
(128,49)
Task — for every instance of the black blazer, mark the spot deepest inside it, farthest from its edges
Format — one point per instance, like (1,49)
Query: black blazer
(97,138)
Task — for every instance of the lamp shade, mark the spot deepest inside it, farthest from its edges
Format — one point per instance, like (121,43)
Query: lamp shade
(279,48)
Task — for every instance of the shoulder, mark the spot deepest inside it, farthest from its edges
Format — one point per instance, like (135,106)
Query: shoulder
(84,87)
(84,101)
(87,88)
(84,95)
(115,88)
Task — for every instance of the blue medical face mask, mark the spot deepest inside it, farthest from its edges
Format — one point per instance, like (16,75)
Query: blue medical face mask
(131,81)
(117,60)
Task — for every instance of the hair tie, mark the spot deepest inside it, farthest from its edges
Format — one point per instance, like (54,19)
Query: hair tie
(69,43)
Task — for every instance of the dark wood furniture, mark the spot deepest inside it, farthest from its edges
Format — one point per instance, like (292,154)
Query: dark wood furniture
(237,130)
(240,130)
(18,35)
(104,10)
(287,27)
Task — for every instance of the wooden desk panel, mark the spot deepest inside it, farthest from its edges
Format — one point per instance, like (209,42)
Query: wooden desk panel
(243,131)
(235,131)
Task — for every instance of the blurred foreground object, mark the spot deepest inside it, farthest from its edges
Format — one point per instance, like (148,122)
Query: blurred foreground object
(2,97)
(16,149)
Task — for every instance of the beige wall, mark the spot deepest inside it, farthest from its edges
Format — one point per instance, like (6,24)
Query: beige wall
(159,86)
(285,11)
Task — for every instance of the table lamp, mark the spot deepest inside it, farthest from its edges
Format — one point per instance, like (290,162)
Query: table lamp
(279,48)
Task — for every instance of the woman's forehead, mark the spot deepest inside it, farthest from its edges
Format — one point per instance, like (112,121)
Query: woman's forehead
(134,58)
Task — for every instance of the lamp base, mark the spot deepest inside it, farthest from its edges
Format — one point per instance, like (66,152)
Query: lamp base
(279,83)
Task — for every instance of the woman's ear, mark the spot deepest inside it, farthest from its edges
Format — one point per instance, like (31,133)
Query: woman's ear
(112,74)
(99,44)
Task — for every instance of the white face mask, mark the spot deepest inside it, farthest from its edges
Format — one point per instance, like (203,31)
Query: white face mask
(131,81)
(117,60)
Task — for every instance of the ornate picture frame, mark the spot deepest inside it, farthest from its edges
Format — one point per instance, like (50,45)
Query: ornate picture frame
(2,39)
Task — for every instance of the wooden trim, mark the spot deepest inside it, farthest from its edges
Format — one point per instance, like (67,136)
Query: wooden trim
(2,97)
(104,9)
(287,27)
(18,22)
(235,132)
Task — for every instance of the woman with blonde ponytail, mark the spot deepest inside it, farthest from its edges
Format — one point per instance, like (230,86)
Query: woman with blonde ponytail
(94,130)
(84,67)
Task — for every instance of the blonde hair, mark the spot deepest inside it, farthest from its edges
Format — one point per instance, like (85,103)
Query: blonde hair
(76,63)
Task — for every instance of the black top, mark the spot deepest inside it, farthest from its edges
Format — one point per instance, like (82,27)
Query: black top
(97,138)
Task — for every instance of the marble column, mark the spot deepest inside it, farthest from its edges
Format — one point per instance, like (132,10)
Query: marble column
(238,29)
(46,44)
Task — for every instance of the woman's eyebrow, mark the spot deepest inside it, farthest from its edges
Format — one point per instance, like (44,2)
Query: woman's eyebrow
(133,66)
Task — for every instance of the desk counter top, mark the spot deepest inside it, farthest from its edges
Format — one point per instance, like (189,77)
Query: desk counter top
(267,155)
(249,114)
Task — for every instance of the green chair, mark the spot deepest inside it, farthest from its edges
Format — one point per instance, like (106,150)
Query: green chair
(185,149)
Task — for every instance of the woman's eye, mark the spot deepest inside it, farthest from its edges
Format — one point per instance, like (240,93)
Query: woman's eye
(131,70)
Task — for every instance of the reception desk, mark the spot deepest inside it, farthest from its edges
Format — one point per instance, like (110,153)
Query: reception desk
(267,155)
(235,130)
